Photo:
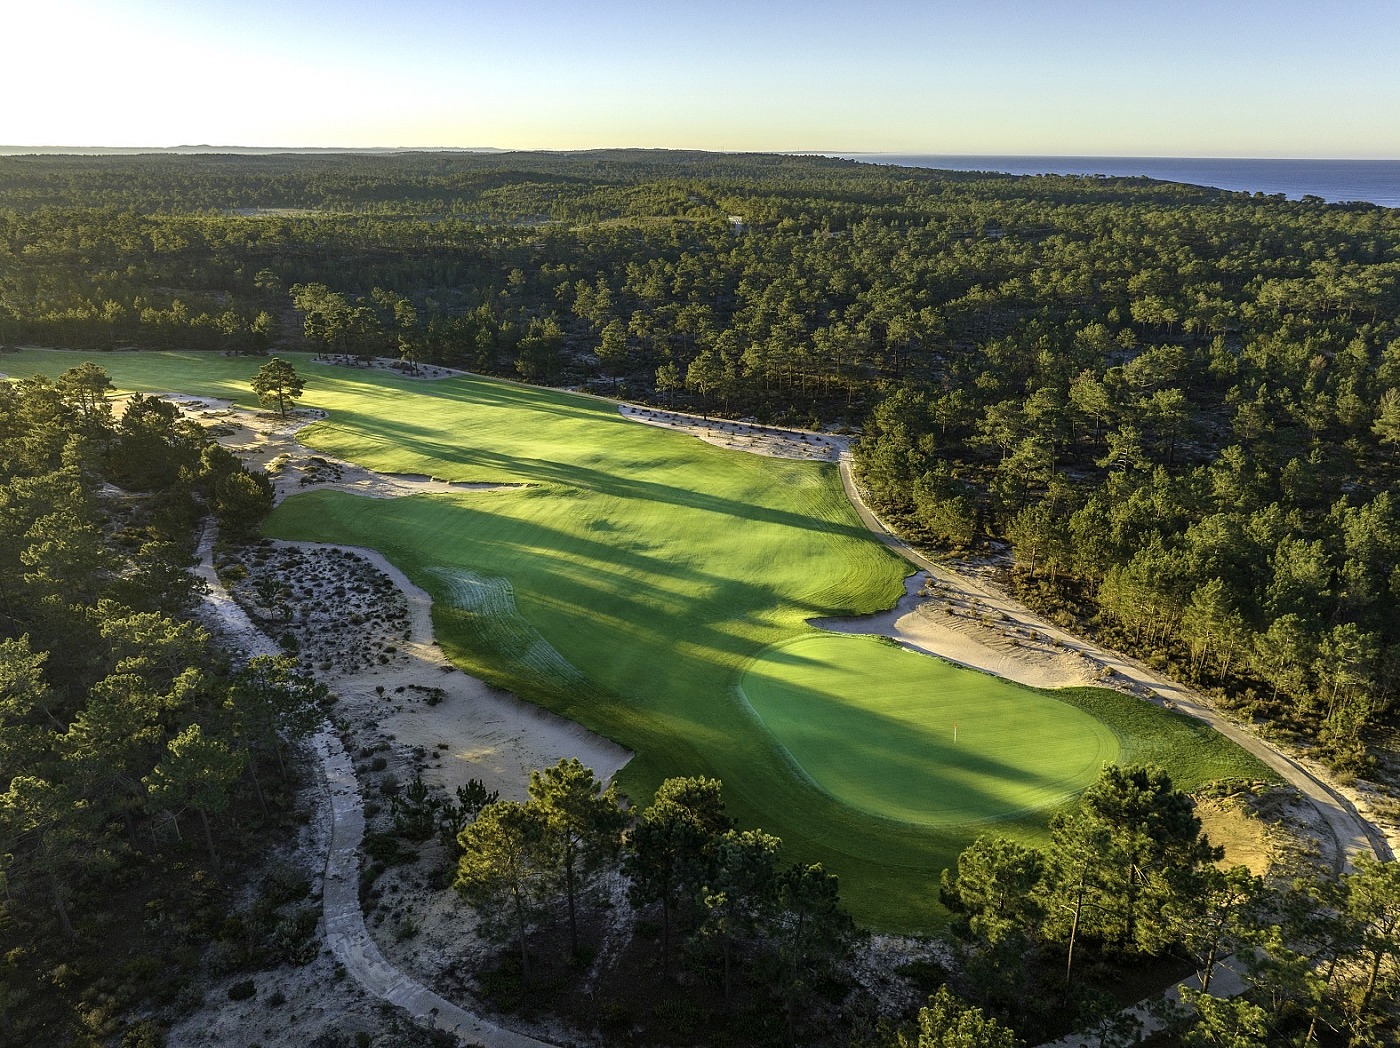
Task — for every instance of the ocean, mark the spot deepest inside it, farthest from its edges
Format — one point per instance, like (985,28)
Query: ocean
(1374,181)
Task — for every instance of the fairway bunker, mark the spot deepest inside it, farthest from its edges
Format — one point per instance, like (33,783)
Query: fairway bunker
(915,739)
(658,567)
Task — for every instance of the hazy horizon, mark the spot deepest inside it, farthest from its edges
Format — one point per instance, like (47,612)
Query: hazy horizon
(1282,80)
(202,148)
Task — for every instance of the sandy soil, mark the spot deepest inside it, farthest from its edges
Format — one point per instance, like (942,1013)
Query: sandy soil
(406,711)
(366,630)
(744,436)
(424,372)
(403,710)
(1247,839)
(944,620)
(262,440)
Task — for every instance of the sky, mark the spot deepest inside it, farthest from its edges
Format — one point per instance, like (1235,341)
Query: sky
(1237,78)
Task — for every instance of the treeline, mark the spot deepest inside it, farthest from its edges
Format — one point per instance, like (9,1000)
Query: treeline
(768,938)
(727,938)
(1180,406)
(1128,878)
(1229,514)
(135,761)
(782,286)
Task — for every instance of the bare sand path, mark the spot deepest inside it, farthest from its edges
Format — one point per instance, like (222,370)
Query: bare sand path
(1351,834)
(346,934)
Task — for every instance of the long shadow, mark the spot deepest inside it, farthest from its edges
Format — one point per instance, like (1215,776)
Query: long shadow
(832,723)
(574,474)
(485,392)
(574,574)
(662,615)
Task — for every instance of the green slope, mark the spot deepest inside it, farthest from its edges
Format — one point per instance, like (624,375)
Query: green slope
(630,586)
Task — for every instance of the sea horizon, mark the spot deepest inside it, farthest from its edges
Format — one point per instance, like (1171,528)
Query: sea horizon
(1370,180)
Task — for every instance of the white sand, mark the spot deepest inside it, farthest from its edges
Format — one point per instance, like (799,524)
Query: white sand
(490,735)
(772,441)
(954,626)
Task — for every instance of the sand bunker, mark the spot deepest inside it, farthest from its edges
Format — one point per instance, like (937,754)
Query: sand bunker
(366,630)
(744,436)
(949,623)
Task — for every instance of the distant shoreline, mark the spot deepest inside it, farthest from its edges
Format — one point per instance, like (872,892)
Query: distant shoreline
(1372,181)
(1357,180)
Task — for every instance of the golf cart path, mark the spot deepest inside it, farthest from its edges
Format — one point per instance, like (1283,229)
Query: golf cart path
(1352,834)
(346,934)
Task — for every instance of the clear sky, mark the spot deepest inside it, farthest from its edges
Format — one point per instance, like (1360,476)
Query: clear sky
(1288,78)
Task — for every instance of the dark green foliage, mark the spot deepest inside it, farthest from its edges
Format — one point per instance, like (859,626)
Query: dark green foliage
(1130,877)
(386,849)
(670,850)
(778,933)
(277,384)
(1178,405)
(120,722)
(415,811)
(947,1022)
(453,817)
(583,826)
(506,870)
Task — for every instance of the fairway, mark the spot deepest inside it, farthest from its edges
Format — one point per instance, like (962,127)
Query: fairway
(909,737)
(641,574)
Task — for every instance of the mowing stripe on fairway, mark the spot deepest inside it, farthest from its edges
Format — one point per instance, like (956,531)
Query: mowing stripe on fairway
(658,567)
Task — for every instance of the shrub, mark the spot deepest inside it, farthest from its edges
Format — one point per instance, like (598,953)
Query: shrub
(294,938)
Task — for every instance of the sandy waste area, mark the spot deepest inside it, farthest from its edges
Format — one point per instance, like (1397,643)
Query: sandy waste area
(404,711)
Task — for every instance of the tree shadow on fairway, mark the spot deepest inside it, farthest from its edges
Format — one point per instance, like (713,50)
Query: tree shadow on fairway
(626,617)
(568,471)
(484,392)
(908,767)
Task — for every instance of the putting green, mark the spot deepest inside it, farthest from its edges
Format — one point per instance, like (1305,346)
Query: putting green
(633,582)
(909,737)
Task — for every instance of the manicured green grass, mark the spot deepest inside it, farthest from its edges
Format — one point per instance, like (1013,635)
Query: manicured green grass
(199,374)
(630,586)
(1191,750)
(920,740)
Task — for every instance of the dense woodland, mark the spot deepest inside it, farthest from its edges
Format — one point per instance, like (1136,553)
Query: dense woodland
(1044,940)
(1178,408)
(140,769)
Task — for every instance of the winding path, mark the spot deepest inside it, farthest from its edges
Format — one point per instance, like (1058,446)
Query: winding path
(346,933)
(352,944)
(1352,834)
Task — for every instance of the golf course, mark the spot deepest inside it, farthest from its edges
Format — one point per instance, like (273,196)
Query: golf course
(657,589)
